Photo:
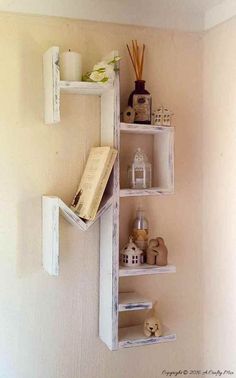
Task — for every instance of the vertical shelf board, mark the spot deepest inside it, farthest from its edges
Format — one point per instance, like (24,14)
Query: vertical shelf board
(50,229)
(51,80)
(163,161)
(109,224)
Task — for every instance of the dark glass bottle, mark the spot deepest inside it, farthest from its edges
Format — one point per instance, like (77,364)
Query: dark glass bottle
(140,99)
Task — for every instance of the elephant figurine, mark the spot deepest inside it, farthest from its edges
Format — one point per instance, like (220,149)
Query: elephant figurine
(157,252)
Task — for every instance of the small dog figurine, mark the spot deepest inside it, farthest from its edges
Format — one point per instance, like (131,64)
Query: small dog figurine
(152,327)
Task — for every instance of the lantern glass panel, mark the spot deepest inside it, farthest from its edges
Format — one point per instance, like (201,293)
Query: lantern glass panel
(140,171)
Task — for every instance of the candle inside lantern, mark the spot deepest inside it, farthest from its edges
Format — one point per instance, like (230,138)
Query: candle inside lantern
(70,66)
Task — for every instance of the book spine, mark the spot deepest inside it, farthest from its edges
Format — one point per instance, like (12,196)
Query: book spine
(102,185)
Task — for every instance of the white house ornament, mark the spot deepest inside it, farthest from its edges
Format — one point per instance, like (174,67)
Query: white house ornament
(130,255)
(128,115)
(161,117)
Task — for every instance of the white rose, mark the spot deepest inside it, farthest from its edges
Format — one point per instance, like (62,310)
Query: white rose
(97,76)
(99,65)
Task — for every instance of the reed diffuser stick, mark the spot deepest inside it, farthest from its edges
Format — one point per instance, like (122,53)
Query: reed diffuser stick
(137,58)
(133,62)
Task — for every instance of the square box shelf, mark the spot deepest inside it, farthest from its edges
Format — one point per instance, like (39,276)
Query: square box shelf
(158,144)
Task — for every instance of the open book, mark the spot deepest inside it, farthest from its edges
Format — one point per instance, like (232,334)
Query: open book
(93,183)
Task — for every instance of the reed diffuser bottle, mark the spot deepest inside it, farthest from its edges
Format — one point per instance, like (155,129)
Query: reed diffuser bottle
(140,99)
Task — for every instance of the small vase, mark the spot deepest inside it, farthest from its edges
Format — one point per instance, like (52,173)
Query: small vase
(140,99)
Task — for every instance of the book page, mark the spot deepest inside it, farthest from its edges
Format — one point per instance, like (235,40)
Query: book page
(93,173)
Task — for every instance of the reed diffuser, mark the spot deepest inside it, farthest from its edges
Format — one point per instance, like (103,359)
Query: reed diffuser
(140,98)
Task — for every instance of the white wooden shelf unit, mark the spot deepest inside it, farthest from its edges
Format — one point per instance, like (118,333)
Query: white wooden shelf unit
(111,303)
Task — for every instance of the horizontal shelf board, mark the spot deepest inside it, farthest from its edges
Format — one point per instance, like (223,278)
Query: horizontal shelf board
(132,302)
(143,129)
(146,269)
(145,192)
(84,88)
(134,336)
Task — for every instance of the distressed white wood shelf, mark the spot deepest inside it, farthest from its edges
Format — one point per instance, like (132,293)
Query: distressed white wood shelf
(134,128)
(144,192)
(110,302)
(133,302)
(84,88)
(145,269)
(51,208)
(53,86)
(133,336)
(158,143)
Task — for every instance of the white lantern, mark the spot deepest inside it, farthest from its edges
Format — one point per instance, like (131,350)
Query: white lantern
(140,172)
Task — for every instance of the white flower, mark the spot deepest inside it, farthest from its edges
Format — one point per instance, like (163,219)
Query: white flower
(99,65)
(97,76)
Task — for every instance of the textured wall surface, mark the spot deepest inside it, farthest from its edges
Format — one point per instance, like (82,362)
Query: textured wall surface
(49,326)
(219,200)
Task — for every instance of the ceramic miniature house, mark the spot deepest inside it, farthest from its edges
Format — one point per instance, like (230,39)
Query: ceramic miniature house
(130,255)
(161,117)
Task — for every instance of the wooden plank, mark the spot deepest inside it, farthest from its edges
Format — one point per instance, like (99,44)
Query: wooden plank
(50,234)
(133,302)
(50,221)
(109,225)
(143,129)
(163,160)
(134,336)
(145,269)
(51,79)
(145,192)
(84,88)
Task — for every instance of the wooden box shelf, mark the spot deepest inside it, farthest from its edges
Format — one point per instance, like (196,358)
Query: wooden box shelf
(158,144)
(133,336)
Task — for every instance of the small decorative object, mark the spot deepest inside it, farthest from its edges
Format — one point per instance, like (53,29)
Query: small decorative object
(128,115)
(152,327)
(140,232)
(140,172)
(70,66)
(103,71)
(140,98)
(157,252)
(161,117)
(130,255)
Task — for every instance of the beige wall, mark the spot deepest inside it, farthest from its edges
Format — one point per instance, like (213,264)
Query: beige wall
(219,197)
(49,326)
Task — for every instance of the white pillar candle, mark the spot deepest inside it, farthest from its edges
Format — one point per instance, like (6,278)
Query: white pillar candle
(70,66)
